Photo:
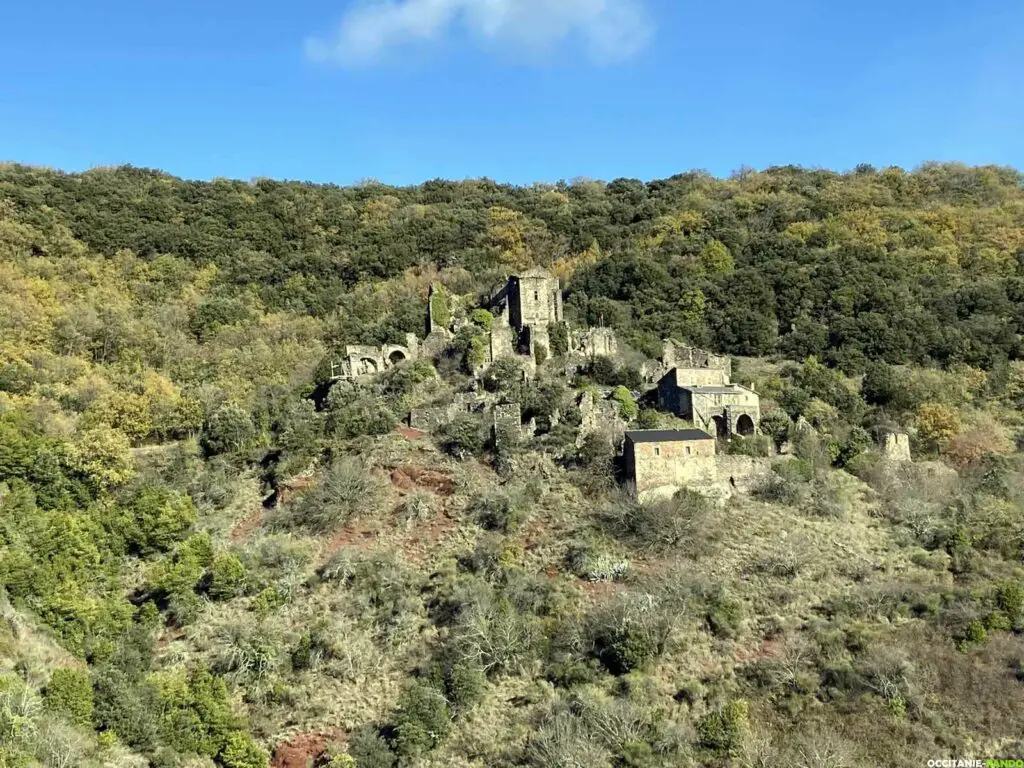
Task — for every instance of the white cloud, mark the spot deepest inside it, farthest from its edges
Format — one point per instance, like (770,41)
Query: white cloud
(610,30)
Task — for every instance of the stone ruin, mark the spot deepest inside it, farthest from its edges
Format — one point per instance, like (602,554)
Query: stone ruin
(896,446)
(361,361)
(526,308)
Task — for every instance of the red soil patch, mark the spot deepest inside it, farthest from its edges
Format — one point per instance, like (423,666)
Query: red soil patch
(303,750)
(351,536)
(422,540)
(247,524)
(409,433)
(172,634)
(407,479)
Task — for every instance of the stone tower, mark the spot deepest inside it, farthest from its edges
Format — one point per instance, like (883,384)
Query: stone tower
(534,299)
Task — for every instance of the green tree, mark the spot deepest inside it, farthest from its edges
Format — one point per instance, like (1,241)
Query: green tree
(69,692)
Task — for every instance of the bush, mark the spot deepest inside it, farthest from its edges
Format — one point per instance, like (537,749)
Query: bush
(240,751)
(464,685)
(370,750)
(630,633)
(722,731)
(754,445)
(421,721)
(594,564)
(354,413)
(227,577)
(462,437)
(648,418)
(558,335)
(230,428)
(664,524)
(540,353)
(502,375)
(482,318)
(628,408)
(724,616)
(346,489)
(157,518)
(69,692)
(498,512)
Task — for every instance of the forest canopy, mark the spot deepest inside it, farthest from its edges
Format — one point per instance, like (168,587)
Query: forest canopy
(890,265)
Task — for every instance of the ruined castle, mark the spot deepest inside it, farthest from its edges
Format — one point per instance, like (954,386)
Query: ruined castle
(523,317)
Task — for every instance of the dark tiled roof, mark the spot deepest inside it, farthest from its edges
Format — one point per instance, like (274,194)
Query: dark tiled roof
(666,435)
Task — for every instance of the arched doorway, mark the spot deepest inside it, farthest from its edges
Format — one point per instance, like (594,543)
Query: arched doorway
(367,365)
(721,426)
(397,356)
(744,425)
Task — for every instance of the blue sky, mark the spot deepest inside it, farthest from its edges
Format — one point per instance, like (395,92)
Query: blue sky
(516,90)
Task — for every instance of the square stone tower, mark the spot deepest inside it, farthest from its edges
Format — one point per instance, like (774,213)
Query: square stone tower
(534,299)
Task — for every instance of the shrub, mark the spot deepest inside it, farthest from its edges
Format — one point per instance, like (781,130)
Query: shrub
(648,418)
(462,437)
(69,692)
(540,353)
(722,731)
(754,445)
(594,564)
(464,685)
(157,518)
(558,335)
(482,318)
(937,424)
(421,721)
(502,375)
(227,576)
(240,751)
(663,524)
(346,489)
(1010,600)
(230,428)
(628,408)
(776,426)
(630,633)
(369,749)
(724,616)
(353,413)
(498,512)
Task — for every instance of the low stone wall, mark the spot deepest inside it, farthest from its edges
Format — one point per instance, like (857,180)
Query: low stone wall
(717,476)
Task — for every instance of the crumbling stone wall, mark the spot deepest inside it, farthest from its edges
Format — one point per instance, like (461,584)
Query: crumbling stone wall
(897,446)
(717,476)
(601,417)
(594,342)
(507,425)
(676,355)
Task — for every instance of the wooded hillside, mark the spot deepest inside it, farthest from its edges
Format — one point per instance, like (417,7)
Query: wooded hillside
(211,556)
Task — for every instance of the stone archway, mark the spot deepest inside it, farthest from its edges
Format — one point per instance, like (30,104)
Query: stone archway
(397,356)
(721,426)
(744,425)
(367,365)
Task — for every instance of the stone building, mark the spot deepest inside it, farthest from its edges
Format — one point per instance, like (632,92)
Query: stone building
(534,299)
(362,360)
(663,458)
(697,388)
(589,343)
(660,463)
